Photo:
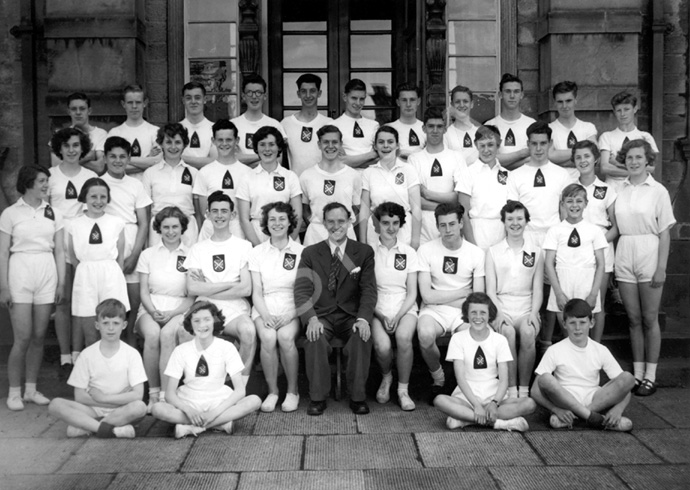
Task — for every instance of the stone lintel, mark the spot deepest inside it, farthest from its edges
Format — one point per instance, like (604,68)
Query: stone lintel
(98,27)
(589,22)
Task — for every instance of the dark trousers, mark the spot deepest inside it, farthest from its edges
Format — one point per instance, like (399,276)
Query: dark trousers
(358,354)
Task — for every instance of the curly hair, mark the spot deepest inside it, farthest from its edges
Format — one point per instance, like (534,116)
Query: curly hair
(390,209)
(263,133)
(279,207)
(639,143)
(27,177)
(479,299)
(62,136)
(216,313)
(170,212)
(171,130)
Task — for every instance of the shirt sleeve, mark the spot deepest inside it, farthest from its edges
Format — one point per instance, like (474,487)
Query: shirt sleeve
(192,261)
(412,261)
(664,210)
(605,142)
(455,352)
(357,189)
(513,194)
(480,260)
(547,364)
(609,363)
(423,264)
(200,188)
(253,260)
(6,224)
(412,177)
(599,238)
(551,240)
(79,378)
(293,182)
(143,262)
(142,198)
(175,367)
(243,190)
(233,361)
(650,139)
(135,368)
(502,349)
(146,182)
(366,175)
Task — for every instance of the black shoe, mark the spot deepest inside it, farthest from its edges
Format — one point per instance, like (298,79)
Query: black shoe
(316,408)
(435,391)
(359,408)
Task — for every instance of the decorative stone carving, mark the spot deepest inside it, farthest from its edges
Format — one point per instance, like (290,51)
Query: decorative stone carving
(435,51)
(249,46)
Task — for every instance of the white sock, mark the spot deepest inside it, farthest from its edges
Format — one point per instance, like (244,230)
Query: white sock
(438,376)
(75,355)
(15,391)
(638,370)
(523,391)
(403,386)
(388,375)
(512,392)
(650,371)
(65,359)
(29,388)
(155,391)
(161,397)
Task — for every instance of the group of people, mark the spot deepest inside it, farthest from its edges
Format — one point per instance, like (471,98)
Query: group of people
(413,229)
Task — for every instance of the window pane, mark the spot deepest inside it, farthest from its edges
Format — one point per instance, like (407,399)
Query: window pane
(290,89)
(472,38)
(304,26)
(304,12)
(379,91)
(214,75)
(475,73)
(370,51)
(209,10)
(304,51)
(371,25)
(209,40)
(472,9)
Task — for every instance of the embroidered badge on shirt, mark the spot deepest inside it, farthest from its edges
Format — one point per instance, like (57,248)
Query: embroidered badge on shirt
(400,178)
(202,367)
(136,148)
(436,170)
(528,259)
(572,139)
(95,237)
(413,139)
(400,262)
(467,141)
(219,263)
(227,181)
(502,177)
(70,191)
(307,134)
(625,140)
(329,187)
(180,263)
(357,131)
(450,265)
(289,261)
(479,359)
(510,139)
(279,183)
(49,213)
(248,141)
(574,239)
(599,192)
(539,180)
(187,177)
(194,141)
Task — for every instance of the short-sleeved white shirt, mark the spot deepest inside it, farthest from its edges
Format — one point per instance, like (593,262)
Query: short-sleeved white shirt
(266,187)
(453,169)
(390,185)
(170,186)
(462,141)
(487,188)
(560,238)
(64,196)
(643,209)
(111,375)
(514,132)
(278,268)
(357,145)
(561,136)
(143,135)
(165,269)
(126,196)
(411,136)
(514,268)
(392,267)
(110,228)
(451,269)
(612,141)
(221,358)
(204,135)
(462,347)
(31,230)
(320,188)
(303,148)
(247,128)
(541,202)
(216,176)
(600,197)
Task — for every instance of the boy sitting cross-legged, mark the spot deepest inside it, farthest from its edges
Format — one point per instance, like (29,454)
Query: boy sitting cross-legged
(567,380)
(108,381)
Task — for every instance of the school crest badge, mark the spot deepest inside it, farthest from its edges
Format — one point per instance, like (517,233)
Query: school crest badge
(572,139)
(289,261)
(219,263)
(227,181)
(450,265)
(400,262)
(413,139)
(626,140)
(248,141)
(71,191)
(510,138)
(574,239)
(180,263)
(502,177)
(436,170)
(307,134)
(479,359)
(278,183)
(357,131)
(600,192)
(202,368)
(95,237)
(539,180)
(136,148)
(329,187)
(528,259)
(187,177)
(194,141)
(467,141)
(399,178)
(49,213)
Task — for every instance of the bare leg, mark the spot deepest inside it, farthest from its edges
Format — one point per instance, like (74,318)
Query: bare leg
(269,354)
(87,325)
(22,327)
(151,332)
(600,318)
(382,346)
(428,330)
(525,360)
(242,408)
(78,415)
(34,355)
(134,300)
(650,299)
(403,336)
(560,397)
(63,315)
(508,331)
(242,329)
(288,354)
(631,300)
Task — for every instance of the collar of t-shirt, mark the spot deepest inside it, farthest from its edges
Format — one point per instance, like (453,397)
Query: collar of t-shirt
(648,181)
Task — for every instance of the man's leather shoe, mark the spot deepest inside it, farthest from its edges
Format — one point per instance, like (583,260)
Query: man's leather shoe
(359,408)
(316,408)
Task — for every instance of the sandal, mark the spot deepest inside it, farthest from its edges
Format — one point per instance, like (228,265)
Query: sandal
(647,388)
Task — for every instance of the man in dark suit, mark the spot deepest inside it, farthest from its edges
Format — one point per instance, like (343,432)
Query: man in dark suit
(335,295)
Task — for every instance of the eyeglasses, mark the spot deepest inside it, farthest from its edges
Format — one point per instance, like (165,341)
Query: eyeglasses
(254,93)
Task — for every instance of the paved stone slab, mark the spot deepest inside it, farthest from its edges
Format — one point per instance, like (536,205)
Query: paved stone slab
(177,481)
(303,480)
(56,482)
(671,444)
(666,402)
(588,447)
(128,455)
(436,478)
(668,477)
(643,417)
(220,452)
(337,419)
(481,448)
(366,451)
(30,422)
(21,456)
(567,478)
(390,419)
(151,427)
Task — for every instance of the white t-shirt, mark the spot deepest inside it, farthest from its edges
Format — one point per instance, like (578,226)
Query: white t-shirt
(199,145)
(613,141)
(320,188)
(264,187)
(170,186)
(278,268)
(514,269)
(411,136)
(126,196)
(142,137)
(111,375)
(303,149)
(165,269)
(439,172)
(644,209)
(358,134)
(222,359)
(392,267)
(31,230)
(216,176)
(462,141)
(565,138)
(64,191)
(451,269)
(83,230)
(390,185)
(600,196)
(487,188)
(513,133)
(247,128)
(575,244)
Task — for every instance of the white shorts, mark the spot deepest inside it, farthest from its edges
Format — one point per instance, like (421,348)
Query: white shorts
(189,238)
(636,258)
(231,308)
(204,401)
(162,302)
(207,229)
(102,412)
(32,278)
(575,283)
(130,238)
(485,393)
(449,317)
(66,226)
(389,304)
(278,304)
(94,282)
(316,232)
(404,235)
(514,307)
(487,232)
(429,230)
(609,258)
(583,395)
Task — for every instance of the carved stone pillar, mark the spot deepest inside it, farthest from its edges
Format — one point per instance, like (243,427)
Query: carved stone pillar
(435,52)
(250,47)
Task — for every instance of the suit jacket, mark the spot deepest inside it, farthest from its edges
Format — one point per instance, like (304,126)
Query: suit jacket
(355,292)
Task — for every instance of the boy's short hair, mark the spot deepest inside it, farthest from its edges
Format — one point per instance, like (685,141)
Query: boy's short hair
(63,135)
(433,112)
(539,127)
(171,130)
(390,209)
(572,190)
(487,132)
(638,143)
(509,78)
(623,97)
(170,212)
(264,132)
(462,89)
(193,85)
(92,182)
(309,78)
(387,129)
(117,142)
(355,84)
(479,299)
(253,78)
(223,124)
(329,128)
(589,145)
(27,176)
(218,317)
(577,308)
(449,208)
(79,96)
(407,87)
(511,207)
(335,205)
(280,207)
(111,308)
(219,196)
(133,88)
(564,87)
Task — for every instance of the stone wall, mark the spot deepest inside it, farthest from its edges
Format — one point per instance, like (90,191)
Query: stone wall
(528,54)
(156,69)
